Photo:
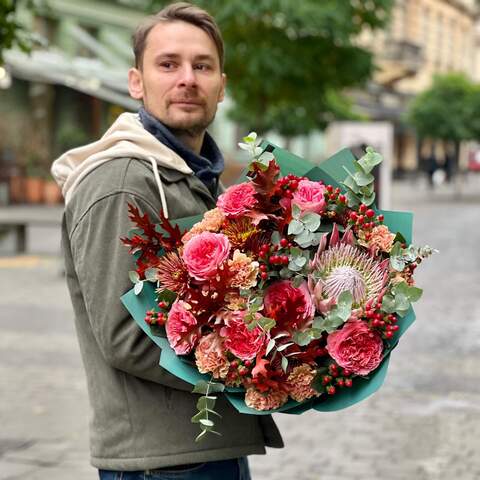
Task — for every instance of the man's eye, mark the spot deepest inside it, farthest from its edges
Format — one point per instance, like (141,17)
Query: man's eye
(167,65)
(202,66)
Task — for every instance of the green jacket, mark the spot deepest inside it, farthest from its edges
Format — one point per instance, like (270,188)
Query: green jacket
(140,413)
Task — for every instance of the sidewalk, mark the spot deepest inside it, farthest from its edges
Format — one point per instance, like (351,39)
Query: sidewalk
(422,425)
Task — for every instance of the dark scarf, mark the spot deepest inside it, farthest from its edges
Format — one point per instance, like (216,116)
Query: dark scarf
(207,166)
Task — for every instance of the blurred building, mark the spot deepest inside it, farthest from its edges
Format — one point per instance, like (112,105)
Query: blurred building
(424,38)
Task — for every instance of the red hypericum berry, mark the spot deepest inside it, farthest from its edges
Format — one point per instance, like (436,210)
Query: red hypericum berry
(362,208)
(264,275)
(285,259)
(394,328)
(234,363)
(331,390)
(388,334)
(263,267)
(337,190)
(332,196)
(348,382)
(379,305)
(329,188)
(370,213)
(376,323)
(275,248)
(346,373)
(273,259)
(342,199)
(283,242)
(380,218)
(288,193)
(248,363)
(163,304)
(243,371)
(353,216)
(360,219)
(294,184)
(340,382)
(326,379)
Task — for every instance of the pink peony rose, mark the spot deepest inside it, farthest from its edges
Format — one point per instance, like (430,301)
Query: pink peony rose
(291,307)
(309,196)
(243,343)
(237,200)
(182,329)
(355,347)
(204,253)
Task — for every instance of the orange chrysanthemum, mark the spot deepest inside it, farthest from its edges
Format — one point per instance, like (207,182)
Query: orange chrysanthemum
(265,401)
(299,383)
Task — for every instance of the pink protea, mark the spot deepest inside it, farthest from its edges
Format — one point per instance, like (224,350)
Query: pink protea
(210,356)
(344,267)
(265,401)
(299,383)
(182,328)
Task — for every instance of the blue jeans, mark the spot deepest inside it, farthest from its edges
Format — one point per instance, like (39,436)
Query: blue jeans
(236,469)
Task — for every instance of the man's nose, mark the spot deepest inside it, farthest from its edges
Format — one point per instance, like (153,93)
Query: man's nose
(187,76)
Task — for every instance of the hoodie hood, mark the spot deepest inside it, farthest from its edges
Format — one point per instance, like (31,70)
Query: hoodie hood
(125,138)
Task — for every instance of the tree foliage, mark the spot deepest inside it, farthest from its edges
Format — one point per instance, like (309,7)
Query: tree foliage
(446,110)
(12,32)
(288,61)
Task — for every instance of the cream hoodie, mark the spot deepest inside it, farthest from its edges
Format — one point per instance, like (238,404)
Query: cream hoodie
(125,138)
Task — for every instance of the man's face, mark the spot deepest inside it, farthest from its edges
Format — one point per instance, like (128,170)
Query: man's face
(180,80)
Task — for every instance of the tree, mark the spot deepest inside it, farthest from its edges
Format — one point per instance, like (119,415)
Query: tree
(12,32)
(288,61)
(447,111)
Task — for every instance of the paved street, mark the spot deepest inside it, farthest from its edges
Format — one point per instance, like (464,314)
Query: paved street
(424,424)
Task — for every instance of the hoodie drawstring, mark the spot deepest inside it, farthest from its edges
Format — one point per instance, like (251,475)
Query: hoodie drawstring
(160,186)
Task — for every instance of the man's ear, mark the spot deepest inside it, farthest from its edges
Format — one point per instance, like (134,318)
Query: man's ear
(221,96)
(135,84)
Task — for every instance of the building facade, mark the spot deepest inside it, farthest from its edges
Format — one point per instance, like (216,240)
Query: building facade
(424,38)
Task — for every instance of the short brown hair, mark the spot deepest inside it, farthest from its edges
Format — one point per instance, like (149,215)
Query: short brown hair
(179,11)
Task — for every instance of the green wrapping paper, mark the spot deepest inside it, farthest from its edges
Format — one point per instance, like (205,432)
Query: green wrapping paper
(330,172)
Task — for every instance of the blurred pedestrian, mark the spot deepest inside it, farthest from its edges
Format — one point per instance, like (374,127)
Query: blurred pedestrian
(159,159)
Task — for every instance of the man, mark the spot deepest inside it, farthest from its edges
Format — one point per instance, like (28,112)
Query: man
(162,158)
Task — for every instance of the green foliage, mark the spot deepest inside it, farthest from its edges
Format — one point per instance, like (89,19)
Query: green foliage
(448,110)
(337,316)
(206,406)
(288,61)
(399,299)
(304,228)
(360,184)
(12,32)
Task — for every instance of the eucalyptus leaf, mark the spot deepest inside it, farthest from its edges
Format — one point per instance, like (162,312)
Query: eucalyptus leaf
(295,227)
(206,402)
(300,261)
(370,160)
(134,276)
(296,211)
(311,221)
(275,239)
(151,274)
(298,280)
(304,239)
(363,179)
(138,288)
(201,387)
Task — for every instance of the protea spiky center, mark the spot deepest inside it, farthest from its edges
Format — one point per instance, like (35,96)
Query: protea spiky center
(345,267)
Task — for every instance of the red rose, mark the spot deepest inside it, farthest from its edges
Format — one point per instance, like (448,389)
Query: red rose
(356,348)
(182,329)
(292,308)
(242,342)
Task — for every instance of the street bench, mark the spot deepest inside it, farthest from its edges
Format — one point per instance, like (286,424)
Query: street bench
(19,218)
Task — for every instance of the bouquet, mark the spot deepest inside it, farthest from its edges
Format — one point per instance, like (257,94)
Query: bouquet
(289,295)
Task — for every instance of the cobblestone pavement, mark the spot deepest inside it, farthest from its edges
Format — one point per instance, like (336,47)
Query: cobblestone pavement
(424,424)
